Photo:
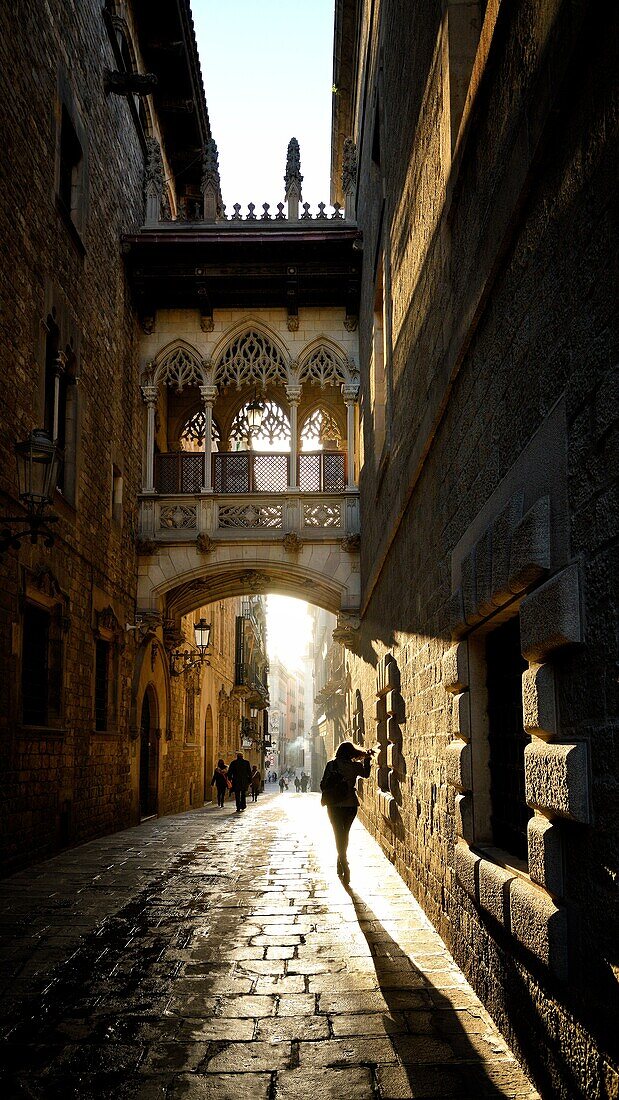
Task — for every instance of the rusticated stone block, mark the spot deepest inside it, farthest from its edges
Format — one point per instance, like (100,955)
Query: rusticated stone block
(395,759)
(394,733)
(469,595)
(467,864)
(461,716)
(455,620)
(530,549)
(493,890)
(380,709)
(556,779)
(550,616)
(458,765)
(463,811)
(395,705)
(483,573)
(501,542)
(388,805)
(545,854)
(539,925)
(456,668)
(538,701)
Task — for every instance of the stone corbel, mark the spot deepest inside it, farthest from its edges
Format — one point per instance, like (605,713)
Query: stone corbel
(346,632)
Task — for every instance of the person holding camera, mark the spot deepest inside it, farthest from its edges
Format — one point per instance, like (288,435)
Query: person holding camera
(339,795)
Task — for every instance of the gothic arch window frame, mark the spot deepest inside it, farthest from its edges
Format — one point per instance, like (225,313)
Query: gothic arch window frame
(323,363)
(234,368)
(271,403)
(319,406)
(179,365)
(197,414)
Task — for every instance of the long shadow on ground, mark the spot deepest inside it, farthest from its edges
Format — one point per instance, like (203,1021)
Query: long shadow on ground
(441,1047)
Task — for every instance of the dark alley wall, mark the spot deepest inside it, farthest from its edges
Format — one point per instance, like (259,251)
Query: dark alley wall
(494,498)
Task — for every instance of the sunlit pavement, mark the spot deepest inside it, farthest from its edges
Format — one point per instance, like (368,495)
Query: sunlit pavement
(216,955)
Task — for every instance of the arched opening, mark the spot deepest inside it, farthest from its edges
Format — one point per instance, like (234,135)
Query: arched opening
(208,762)
(149,755)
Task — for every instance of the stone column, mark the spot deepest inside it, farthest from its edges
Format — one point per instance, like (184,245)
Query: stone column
(350,393)
(293,393)
(150,394)
(208,395)
(59,369)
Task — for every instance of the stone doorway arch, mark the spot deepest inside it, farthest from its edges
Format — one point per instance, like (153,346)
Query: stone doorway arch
(149,754)
(208,752)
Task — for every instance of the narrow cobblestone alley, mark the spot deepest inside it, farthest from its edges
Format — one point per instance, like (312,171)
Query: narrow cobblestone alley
(215,955)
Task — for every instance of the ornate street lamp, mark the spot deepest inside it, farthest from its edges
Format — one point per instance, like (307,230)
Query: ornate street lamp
(38,458)
(202,631)
(255,414)
(183,660)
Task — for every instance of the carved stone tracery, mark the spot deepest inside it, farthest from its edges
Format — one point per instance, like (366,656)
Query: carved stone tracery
(251,359)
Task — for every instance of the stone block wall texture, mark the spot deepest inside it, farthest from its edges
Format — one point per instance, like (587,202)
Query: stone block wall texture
(64,787)
(503,307)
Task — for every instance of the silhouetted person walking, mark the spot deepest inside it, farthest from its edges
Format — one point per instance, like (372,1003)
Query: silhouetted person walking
(339,795)
(221,781)
(239,773)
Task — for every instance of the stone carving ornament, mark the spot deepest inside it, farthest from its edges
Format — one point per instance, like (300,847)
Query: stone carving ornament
(251,359)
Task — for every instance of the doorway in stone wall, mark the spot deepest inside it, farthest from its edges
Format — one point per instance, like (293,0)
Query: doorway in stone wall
(149,755)
(208,749)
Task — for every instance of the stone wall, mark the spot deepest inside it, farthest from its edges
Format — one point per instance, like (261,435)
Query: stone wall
(493,496)
(68,783)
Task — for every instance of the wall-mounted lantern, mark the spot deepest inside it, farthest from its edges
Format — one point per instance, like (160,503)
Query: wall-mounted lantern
(38,459)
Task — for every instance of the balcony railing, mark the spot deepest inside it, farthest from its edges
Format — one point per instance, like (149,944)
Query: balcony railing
(181,472)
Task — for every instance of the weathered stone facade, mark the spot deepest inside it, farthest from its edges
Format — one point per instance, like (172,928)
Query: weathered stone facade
(72,183)
(487,158)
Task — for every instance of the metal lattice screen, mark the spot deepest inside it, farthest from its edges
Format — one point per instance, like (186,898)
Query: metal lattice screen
(231,473)
(270,473)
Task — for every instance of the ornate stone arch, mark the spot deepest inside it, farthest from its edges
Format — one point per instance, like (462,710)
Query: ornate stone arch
(323,420)
(322,363)
(251,356)
(179,365)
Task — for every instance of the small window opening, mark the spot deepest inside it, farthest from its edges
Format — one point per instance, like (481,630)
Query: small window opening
(507,739)
(35,666)
(102,683)
(117,495)
(71,159)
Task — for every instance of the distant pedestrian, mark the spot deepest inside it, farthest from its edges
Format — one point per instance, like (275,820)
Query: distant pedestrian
(304,782)
(282,785)
(297,784)
(338,786)
(255,783)
(239,774)
(221,781)
(274,776)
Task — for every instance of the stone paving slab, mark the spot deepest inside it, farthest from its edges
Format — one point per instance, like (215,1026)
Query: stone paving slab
(213,955)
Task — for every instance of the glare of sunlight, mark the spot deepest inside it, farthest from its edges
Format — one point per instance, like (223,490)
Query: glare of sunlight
(289,629)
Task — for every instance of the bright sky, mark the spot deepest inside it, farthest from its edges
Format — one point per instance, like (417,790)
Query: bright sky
(289,629)
(267,68)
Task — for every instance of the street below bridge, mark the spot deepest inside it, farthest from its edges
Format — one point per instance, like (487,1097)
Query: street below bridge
(217,955)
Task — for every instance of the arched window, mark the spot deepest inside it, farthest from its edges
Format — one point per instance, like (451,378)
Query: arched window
(273,433)
(322,367)
(319,430)
(192,433)
(251,359)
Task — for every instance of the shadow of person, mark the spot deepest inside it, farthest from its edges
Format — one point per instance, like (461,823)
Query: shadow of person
(441,1037)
